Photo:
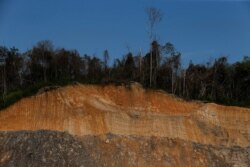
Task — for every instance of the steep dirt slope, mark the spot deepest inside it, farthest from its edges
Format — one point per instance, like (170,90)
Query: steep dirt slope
(125,111)
(93,110)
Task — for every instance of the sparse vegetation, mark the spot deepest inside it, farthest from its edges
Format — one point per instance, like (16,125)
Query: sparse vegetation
(218,81)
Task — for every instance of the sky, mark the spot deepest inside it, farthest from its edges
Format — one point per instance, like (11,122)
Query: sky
(201,30)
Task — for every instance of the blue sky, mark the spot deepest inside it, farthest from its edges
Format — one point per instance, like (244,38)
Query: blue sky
(200,30)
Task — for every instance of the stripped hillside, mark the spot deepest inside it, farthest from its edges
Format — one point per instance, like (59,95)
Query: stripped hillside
(134,116)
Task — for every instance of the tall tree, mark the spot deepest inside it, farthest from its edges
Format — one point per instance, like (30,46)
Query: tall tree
(105,59)
(40,59)
(94,70)
(154,16)
(14,64)
(3,56)
(173,62)
(242,80)
(129,67)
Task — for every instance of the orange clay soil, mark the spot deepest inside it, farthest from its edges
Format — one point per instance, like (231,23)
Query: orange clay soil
(96,110)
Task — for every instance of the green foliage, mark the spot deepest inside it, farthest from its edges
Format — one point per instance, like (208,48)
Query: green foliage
(11,98)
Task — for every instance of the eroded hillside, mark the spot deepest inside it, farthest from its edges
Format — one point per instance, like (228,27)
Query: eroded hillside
(125,111)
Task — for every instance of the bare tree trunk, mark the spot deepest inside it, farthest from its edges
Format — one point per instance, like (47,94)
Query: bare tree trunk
(44,74)
(109,74)
(4,81)
(140,67)
(44,69)
(154,17)
(21,78)
(184,83)
(150,73)
(172,78)
(157,64)
(56,74)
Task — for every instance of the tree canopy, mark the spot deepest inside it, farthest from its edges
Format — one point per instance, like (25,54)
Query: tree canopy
(217,81)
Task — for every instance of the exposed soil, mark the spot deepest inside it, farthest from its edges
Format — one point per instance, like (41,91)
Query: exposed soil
(86,125)
(49,148)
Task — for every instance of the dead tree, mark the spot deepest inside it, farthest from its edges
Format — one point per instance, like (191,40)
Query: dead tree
(154,16)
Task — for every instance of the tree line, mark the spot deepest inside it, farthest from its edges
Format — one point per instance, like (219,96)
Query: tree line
(216,81)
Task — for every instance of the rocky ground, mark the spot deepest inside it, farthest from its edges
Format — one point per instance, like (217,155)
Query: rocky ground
(98,126)
(51,148)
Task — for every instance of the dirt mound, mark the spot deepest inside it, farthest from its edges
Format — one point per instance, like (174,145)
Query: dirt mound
(88,110)
(48,148)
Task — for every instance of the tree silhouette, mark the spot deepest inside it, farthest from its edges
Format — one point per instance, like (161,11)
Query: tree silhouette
(154,16)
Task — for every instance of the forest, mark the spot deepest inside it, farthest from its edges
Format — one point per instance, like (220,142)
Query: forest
(218,81)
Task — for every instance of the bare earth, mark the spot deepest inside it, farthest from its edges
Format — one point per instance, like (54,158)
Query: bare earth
(86,125)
